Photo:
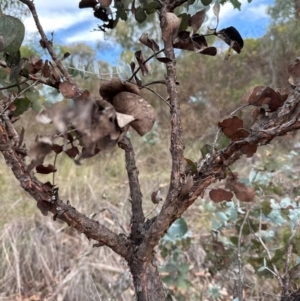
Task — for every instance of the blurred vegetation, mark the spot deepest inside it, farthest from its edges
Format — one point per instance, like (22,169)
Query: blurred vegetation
(42,259)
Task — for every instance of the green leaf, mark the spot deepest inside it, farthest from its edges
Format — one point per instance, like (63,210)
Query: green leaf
(178,229)
(121,13)
(12,30)
(3,73)
(192,165)
(37,104)
(266,207)
(206,2)
(169,280)
(140,15)
(152,7)
(32,94)
(185,20)
(261,269)
(184,268)
(206,149)
(222,216)
(234,240)
(22,105)
(236,4)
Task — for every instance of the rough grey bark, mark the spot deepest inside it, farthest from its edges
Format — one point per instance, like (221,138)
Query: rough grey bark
(138,247)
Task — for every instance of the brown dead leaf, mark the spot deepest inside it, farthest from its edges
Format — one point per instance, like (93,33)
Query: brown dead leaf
(67,89)
(145,67)
(219,195)
(170,25)
(294,72)
(263,95)
(43,169)
(44,207)
(72,152)
(239,134)
(140,109)
(242,192)
(47,186)
(249,150)
(197,19)
(149,42)
(230,125)
(41,148)
(109,89)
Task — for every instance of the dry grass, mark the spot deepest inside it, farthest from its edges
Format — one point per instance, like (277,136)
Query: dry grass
(45,260)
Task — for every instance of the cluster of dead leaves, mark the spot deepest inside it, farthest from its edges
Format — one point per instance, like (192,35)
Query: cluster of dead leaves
(45,69)
(233,129)
(98,125)
(242,192)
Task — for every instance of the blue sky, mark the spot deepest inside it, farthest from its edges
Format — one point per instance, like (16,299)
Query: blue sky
(71,24)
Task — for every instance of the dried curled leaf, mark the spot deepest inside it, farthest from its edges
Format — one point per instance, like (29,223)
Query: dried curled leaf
(249,150)
(263,95)
(140,109)
(149,42)
(197,19)
(230,125)
(109,89)
(232,37)
(170,25)
(123,119)
(156,197)
(294,72)
(96,123)
(145,67)
(41,148)
(195,43)
(242,192)
(43,169)
(67,89)
(219,195)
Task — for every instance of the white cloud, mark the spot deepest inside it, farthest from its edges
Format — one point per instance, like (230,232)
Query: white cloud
(258,11)
(85,36)
(54,21)
(255,10)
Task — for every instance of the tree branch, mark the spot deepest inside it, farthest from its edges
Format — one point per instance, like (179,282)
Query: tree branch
(167,216)
(30,77)
(48,44)
(173,4)
(135,191)
(214,167)
(91,228)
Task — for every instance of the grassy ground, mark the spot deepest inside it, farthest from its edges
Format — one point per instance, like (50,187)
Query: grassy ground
(45,260)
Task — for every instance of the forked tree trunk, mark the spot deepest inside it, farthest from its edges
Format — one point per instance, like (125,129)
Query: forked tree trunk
(147,282)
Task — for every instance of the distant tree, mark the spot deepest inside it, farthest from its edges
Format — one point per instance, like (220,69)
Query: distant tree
(93,125)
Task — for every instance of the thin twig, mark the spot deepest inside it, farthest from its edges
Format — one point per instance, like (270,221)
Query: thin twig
(11,129)
(158,95)
(151,210)
(54,163)
(11,101)
(14,85)
(114,218)
(286,278)
(275,272)
(276,296)
(240,267)
(48,44)
(147,60)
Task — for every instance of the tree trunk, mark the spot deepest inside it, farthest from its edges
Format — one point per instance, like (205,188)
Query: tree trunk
(297,9)
(147,282)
